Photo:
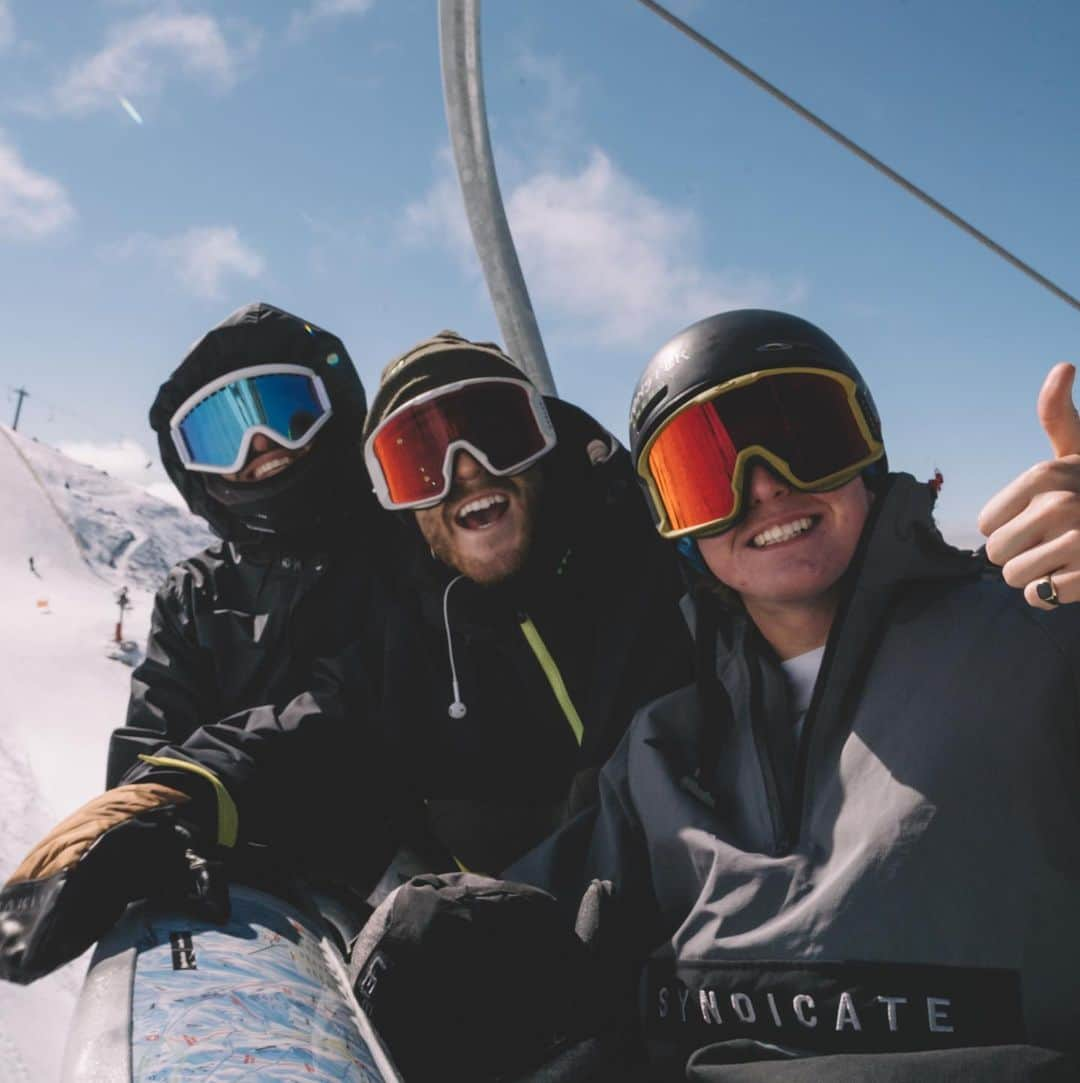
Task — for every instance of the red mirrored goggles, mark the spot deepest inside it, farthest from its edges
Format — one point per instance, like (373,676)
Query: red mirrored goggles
(806,424)
(500,421)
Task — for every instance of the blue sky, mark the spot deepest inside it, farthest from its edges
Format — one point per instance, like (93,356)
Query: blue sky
(296,152)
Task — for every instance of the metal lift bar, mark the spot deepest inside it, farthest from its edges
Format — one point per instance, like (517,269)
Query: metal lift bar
(466,117)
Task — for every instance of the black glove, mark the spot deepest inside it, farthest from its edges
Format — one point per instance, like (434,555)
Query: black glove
(460,969)
(130,843)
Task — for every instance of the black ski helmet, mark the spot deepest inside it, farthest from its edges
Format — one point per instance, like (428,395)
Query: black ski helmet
(719,348)
(327,485)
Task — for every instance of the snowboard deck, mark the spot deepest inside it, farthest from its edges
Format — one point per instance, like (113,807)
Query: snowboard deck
(170,998)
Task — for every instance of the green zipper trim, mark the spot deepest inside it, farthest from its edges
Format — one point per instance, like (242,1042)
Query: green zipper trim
(227,817)
(551,671)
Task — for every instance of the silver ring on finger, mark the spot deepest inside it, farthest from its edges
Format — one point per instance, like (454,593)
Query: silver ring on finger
(1046,591)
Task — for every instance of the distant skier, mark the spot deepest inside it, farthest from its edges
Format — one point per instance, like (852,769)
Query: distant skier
(124,604)
(33,569)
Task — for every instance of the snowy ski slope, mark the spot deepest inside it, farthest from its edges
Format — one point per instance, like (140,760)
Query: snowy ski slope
(89,534)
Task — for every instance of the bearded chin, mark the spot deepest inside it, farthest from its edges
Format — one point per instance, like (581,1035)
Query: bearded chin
(494,567)
(489,570)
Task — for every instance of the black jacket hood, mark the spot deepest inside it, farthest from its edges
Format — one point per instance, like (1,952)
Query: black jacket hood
(334,485)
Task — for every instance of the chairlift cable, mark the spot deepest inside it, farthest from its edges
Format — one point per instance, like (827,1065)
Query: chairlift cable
(858,151)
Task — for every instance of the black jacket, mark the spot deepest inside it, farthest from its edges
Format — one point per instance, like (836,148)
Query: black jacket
(600,591)
(241,623)
(232,629)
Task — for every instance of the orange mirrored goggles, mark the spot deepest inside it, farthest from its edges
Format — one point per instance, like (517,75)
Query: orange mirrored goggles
(501,421)
(806,424)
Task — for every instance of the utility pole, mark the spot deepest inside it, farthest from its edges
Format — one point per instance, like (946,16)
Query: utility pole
(23,394)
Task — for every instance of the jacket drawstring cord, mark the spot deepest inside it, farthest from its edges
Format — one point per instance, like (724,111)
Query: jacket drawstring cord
(457,709)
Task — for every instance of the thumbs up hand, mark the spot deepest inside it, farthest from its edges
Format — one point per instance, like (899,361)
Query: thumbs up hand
(1032,526)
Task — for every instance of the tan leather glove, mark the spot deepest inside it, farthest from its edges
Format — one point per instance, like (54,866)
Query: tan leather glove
(129,843)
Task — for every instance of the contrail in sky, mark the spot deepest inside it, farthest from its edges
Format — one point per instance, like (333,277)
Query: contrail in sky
(131,110)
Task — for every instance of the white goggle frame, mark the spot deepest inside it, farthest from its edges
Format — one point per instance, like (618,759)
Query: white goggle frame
(214,386)
(378,479)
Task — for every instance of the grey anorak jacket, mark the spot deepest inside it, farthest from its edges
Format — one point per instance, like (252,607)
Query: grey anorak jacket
(908,876)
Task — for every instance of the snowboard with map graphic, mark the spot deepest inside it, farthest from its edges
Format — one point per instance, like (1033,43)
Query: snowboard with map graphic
(169,998)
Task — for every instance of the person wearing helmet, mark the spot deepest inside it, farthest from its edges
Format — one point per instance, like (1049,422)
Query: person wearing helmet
(855,832)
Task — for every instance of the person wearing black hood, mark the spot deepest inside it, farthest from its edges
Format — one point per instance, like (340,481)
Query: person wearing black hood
(260,429)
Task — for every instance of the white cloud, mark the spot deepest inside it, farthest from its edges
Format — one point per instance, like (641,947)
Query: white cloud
(602,255)
(440,215)
(31,204)
(327,9)
(7,26)
(553,126)
(207,254)
(201,257)
(142,54)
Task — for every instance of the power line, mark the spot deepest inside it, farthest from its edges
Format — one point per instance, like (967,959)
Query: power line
(858,151)
(53,408)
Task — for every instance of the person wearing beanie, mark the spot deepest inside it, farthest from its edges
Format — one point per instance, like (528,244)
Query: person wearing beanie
(493,543)
(848,850)
(542,601)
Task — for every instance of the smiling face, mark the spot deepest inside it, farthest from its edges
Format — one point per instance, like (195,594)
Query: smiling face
(267,459)
(786,556)
(485,526)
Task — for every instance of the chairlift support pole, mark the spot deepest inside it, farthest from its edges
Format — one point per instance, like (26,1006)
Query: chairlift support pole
(466,118)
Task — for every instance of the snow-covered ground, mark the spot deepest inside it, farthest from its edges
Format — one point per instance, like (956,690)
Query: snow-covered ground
(65,681)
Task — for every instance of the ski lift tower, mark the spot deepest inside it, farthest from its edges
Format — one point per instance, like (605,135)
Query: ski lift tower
(466,117)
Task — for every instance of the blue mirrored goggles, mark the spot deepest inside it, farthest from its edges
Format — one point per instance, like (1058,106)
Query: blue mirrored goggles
(213,429)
